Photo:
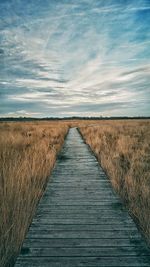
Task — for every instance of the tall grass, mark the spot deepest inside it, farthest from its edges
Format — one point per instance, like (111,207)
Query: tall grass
(123,150)
(27,156)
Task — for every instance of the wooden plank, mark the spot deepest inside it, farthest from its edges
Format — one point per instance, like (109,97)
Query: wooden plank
(85,251)
(80,194)
(94,205)
(62,171)
(105,205)
(84,227)
(88,217)
(131,261)
(88,164)
(46,233)
(81,191)
(81,183)
(57,201)
(81,221)
(91,197)
(84,242)
(66,186)
(83,212)
(78,180)
(79,198)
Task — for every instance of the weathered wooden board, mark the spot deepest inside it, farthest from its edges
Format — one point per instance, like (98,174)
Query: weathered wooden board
(84,227)
(80,221)
(97,261)
(82,212)
(85,251)
(137,243)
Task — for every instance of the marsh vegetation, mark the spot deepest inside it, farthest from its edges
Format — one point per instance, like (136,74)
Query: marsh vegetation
(123,150)
(27,155)
(28,151)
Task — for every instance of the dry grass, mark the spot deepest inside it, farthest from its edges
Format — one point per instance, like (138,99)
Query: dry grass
(27,155)
(123,149)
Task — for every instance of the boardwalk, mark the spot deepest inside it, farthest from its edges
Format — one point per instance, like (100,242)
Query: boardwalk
(80,221)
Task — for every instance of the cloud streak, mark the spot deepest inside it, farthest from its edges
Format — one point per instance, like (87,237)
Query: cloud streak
(71,58)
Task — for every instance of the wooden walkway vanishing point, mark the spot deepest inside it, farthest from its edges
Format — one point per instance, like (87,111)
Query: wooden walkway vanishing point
(80,221)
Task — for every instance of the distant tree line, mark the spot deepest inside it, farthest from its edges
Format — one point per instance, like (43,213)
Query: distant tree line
(71,118)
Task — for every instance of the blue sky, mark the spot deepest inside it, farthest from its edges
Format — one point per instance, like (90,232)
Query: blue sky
(74,58)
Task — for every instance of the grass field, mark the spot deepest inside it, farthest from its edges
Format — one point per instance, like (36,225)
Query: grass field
(123,150)
(27,155)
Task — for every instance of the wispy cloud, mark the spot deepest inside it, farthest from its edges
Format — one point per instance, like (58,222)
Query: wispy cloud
(74,57)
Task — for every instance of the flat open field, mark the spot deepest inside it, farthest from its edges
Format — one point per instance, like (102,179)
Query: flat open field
(27,155)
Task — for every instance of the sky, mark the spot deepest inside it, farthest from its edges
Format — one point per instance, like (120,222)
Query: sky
(63,58)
